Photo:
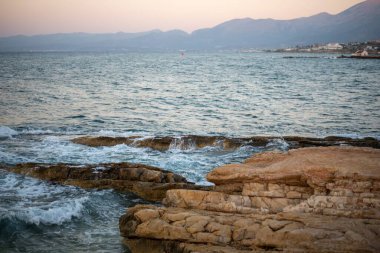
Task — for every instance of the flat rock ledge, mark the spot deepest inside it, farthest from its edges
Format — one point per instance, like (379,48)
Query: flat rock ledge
(195,141)
(149,183)
(321,199)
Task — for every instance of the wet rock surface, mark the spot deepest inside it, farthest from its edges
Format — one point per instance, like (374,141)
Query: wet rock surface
(148,182)
(323,199)
(196,141)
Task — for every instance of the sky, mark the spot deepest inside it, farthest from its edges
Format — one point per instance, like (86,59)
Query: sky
(30,17)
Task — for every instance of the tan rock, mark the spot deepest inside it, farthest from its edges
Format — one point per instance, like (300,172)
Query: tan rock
(208,200)
(147,214)
(302,167)
(306,200)
(290,231)
(293,195)
(148,182)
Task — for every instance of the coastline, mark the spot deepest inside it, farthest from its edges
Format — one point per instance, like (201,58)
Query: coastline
(321,195)
(145,113)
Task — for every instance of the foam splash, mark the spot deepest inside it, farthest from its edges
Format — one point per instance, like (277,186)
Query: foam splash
(36,202)
(7,132)
(55,213)
(279,144)
(179,143)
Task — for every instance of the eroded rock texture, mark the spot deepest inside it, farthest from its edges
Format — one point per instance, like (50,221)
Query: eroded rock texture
(148,182)
(196,141)
(324,199)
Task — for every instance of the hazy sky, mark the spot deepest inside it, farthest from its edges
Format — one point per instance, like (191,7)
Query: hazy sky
(99,16)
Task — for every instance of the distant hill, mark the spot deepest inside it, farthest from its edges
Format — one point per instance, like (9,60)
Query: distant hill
(358,23)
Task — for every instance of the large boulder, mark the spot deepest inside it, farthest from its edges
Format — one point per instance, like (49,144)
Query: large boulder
(324,199)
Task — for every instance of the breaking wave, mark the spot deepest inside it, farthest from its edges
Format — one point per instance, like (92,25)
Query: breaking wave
(7,132)
(36,202)
(55,213)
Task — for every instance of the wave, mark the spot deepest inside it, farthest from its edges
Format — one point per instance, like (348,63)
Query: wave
(177,141)
(37,202)
(56,213)
(358,136)
(112,133)
(45,131)
(7,132)
(37,131)
(279,143)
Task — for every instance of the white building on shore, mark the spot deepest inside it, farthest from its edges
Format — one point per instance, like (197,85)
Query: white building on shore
(334,46)
(329,46)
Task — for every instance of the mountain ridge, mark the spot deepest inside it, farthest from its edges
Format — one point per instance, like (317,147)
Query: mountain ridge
(360,22)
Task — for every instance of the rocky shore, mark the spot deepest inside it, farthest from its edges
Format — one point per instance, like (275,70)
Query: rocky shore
(148,182)
(228,143)
(323,198)
(319,199)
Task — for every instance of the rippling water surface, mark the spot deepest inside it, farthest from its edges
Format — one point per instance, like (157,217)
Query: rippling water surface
(46,99)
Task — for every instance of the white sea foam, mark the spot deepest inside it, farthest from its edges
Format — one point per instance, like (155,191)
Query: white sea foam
(278,143)
(7,131)
(8,182)
(112,133)
(12,158)
(37,202)
(55,213)
(37,131)
(29,188)
(180,143)
(108,133)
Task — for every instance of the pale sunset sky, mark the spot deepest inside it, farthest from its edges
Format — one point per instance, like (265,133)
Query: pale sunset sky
(30,17)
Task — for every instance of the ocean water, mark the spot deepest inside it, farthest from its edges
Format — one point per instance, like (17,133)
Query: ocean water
(47,99)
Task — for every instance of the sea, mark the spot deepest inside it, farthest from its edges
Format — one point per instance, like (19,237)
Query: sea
(49,98)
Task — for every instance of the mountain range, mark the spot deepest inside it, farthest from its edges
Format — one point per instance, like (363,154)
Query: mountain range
(361,22)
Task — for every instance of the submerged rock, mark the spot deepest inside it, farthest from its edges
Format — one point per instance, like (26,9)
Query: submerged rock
(148,182)
(195,141)
(324,199)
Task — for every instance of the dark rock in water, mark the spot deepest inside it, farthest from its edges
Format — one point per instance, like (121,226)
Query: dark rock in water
(196,141)
(302,142)
(103,141)
(148,182)
(319,199)
(164,143)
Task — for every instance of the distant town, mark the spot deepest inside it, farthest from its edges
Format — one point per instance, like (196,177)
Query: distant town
(370,47)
